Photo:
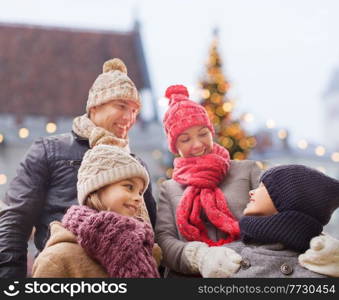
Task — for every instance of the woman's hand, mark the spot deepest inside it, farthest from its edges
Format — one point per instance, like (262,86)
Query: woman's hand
(212,262)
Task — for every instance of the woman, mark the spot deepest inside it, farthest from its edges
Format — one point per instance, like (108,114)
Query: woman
(207,194)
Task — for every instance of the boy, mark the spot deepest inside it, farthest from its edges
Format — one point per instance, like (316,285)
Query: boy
(288,209)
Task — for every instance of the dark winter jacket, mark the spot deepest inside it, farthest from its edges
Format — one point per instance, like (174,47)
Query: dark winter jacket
(43,189)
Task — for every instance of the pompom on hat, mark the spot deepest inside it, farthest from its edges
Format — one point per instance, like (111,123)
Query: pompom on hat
(112,84)
(182,114)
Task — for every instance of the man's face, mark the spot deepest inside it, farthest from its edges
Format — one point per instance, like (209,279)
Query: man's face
(116,116)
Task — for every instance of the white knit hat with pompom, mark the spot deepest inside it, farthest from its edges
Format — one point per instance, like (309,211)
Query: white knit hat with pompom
(112,84)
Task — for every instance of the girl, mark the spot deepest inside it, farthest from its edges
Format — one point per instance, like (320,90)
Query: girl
(103,237)
(207,194)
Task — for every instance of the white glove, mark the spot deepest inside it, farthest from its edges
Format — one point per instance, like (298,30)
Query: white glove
(323,256)
(212,262)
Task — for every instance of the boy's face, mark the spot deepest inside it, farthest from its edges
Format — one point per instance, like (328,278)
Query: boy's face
(195,141)
(123,197)
(260,203)
(116,116)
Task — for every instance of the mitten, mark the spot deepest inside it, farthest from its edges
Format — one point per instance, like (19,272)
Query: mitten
(323,256)
(212,262)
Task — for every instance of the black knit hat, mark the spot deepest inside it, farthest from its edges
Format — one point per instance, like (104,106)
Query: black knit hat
(305,199)
(302,189)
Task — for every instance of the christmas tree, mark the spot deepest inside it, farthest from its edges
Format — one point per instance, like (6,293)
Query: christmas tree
(214,87)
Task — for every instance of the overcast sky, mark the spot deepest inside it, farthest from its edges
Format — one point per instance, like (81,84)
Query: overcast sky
(278,54)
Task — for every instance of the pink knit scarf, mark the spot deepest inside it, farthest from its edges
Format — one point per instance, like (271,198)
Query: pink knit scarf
(122,245)
(202,175)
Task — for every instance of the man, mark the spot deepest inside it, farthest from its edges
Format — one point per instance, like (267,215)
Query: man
(45,184)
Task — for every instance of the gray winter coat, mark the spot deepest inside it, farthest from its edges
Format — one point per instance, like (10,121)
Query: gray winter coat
(270,260)
(241,178)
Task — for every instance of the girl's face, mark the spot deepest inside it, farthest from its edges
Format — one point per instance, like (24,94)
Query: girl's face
(260,203)
(123,197)
(195,141)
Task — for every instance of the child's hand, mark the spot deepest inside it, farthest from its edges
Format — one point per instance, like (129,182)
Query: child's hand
(212,262)
(323,256)
(75,216)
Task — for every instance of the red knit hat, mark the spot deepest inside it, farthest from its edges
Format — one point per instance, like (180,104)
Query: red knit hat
(182,114)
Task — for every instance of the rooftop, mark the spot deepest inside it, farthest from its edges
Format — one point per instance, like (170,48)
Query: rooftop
(48,70)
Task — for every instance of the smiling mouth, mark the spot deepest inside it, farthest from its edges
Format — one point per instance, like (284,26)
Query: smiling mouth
(131,207)
(121,127)
(199,153)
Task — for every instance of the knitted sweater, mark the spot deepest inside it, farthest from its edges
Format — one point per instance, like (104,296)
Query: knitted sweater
(122,245)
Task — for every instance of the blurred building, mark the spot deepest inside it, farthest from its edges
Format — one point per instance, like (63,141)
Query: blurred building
(45,75)
(273,148)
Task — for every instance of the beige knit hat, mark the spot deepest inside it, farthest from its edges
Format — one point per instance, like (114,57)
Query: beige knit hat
(112,84)
(106,164)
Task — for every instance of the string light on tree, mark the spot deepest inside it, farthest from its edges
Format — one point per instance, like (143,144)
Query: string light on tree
(213,92)
(205,94)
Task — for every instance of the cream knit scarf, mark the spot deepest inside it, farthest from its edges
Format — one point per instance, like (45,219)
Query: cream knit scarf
(85,128)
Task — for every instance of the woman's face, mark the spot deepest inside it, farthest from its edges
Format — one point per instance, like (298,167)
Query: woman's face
(195,141)
(123,197)
(260,203)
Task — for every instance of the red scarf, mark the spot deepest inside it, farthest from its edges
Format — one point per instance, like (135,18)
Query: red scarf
(202,175)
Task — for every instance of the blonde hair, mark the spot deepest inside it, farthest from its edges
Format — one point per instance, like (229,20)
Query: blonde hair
(93,201)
